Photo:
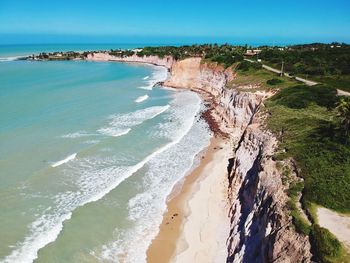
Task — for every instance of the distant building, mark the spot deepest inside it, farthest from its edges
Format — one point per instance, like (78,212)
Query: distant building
(252,52)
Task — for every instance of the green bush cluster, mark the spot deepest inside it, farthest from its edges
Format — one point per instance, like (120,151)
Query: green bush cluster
(311,59)
(326,63)
(223,54)
(299,97)
(121,52)
(306,119)
(246,65)
(301,225)
(274,81)
(325,244)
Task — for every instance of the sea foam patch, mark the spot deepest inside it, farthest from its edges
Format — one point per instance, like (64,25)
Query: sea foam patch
(159,74)
(65,160)
(141,98)
(7,59)
(122,124)
(77,134)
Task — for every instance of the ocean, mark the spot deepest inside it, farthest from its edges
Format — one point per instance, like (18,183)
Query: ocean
(89,152)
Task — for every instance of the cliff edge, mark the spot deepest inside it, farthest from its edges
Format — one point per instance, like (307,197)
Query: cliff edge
(261,228)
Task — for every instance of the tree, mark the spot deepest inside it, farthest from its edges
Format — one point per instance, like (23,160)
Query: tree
(343,109)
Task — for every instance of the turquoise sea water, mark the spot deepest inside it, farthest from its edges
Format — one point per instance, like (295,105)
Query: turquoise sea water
(89,152)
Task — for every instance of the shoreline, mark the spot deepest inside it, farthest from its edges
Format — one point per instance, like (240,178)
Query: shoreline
(185,215)
(184,203)
(181,217)
(186,220)
(181,222)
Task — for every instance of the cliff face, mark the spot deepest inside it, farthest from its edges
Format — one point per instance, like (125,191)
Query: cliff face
(261,230)
(192,73)
(167,61)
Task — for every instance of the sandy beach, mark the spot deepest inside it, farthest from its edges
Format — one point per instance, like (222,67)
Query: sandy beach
(195,226)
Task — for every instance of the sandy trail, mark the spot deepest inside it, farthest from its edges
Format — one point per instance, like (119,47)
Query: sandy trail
(342,93)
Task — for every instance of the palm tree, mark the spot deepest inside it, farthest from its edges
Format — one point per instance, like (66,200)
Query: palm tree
(343,109)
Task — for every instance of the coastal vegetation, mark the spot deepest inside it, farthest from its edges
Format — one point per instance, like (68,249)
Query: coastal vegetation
(326,63)
(69,55)
(305,118)
(343,109)
(222,54)
(310,130)
(253,74)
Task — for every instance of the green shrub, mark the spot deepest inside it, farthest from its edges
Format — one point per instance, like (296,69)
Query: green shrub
(246,65)
(326,245)
(301,225)
(295,188)
(301,96)
(305,120)
(274,81)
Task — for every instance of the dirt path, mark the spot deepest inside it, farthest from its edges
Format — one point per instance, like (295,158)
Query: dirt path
(342,93)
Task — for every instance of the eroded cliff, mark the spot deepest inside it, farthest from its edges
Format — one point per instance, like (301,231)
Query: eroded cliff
(261,228)
(166,61)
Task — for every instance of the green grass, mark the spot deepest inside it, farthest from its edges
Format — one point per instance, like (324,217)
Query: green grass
(338,82)
(307,119)
(305,122)
(260,77)
(301,224)
(335,81)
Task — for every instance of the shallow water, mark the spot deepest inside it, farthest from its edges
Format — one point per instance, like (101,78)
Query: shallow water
(88,156)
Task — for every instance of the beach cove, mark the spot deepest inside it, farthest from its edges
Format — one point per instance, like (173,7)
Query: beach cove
(113,127)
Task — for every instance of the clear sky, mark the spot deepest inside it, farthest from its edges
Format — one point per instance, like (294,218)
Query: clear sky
(260,21)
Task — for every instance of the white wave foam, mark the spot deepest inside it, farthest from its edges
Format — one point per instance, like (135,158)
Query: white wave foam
(6,59)
(65,160)
(145,78)
(146,87)
(46,228)
(92,141)
(158,75)
(121,124)
(77,134)
(141,98)
(190,136)
(114,132)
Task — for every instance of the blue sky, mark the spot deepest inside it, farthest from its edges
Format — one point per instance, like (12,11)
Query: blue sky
(174,21)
